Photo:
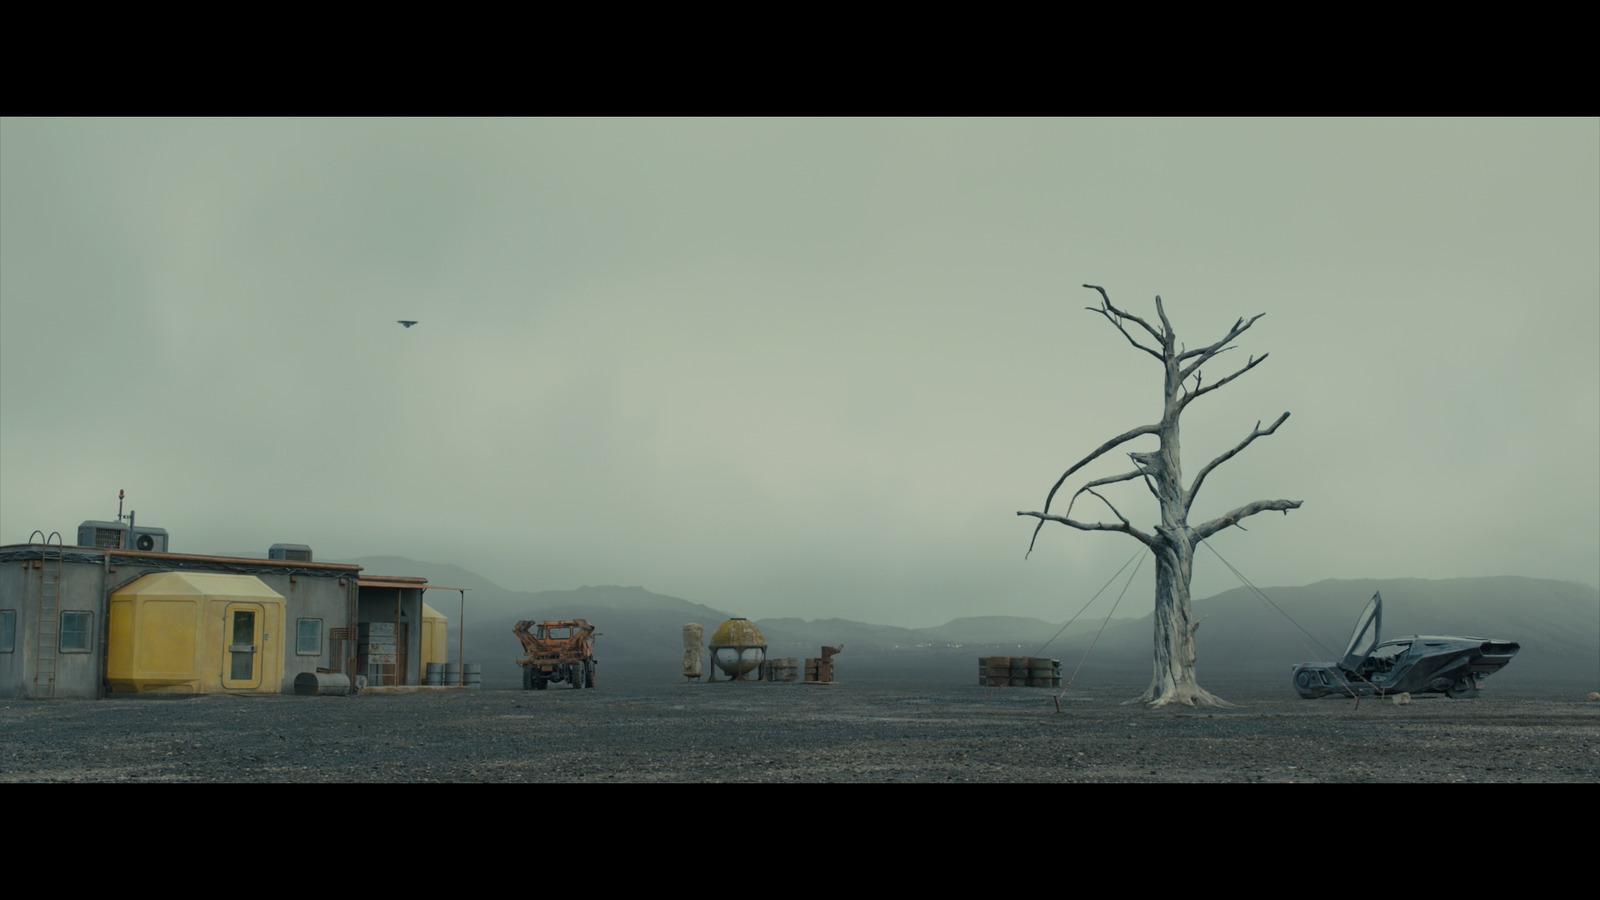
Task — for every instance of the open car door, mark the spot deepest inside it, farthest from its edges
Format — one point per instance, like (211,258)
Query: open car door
(1365,637)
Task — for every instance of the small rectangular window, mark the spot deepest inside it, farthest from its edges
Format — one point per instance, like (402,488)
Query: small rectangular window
(8,630)
(308,641)
(75,630)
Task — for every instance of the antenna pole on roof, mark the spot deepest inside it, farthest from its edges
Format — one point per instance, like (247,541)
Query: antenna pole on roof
(119,504)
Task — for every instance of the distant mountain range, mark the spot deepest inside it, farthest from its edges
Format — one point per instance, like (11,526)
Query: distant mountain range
(1242,636)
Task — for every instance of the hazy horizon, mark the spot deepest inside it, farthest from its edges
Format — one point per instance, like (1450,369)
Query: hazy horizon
(803,365)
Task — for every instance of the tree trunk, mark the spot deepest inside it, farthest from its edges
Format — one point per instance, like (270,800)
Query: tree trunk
(1174,680)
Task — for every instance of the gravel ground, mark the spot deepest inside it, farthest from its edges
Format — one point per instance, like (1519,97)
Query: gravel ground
(863,732)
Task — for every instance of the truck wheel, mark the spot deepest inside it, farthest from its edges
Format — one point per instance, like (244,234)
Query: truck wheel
(575,675)
(588,673)
(527,678)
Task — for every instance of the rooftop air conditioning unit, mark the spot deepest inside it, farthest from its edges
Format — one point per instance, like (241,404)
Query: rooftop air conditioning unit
(291,552)
(103,535)
(148,539)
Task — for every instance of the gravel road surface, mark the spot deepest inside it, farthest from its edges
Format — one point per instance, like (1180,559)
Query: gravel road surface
(846,732)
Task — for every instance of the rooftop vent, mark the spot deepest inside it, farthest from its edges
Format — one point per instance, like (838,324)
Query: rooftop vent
(103,535)
(291,552)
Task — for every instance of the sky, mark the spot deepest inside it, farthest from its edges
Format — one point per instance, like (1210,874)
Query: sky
(804,367)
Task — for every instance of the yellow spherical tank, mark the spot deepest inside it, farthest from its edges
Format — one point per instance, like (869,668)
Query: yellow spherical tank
(738,648)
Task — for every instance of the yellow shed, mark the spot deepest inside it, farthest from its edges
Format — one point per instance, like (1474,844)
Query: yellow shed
(435,637)
(195,633)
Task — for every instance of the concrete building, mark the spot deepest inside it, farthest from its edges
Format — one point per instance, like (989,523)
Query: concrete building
(117,613)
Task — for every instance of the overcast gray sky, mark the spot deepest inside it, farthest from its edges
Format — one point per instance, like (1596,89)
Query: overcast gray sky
(802,367)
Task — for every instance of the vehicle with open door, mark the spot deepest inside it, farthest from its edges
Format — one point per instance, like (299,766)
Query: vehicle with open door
(1415,664)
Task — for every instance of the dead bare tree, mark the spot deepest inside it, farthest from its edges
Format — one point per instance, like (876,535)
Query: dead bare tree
(1173,541)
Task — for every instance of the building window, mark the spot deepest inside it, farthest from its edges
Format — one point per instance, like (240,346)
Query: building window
(8,630)
(308,641)
(75,630)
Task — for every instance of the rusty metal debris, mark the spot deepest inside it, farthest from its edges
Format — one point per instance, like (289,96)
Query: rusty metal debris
(820,669)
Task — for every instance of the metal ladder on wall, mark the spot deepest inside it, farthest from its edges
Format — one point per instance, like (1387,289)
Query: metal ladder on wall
(48,634)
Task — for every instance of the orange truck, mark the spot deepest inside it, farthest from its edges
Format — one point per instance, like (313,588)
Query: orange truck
(556,651)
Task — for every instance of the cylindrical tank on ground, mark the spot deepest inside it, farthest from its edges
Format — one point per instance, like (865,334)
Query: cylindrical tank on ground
(322,683)
(692,635)
(738,648)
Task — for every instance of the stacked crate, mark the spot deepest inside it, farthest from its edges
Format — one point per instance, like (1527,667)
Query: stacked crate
(378,653)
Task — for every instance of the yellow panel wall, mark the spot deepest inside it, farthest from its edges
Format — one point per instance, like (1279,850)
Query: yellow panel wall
(170,633)
(435,637)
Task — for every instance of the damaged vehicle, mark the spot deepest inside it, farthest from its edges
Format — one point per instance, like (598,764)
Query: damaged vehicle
(556,651)
(1416,664)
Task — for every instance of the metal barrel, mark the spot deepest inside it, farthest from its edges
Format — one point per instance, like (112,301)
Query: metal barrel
(309,683)
(452,673)
(434,674)
(472,675)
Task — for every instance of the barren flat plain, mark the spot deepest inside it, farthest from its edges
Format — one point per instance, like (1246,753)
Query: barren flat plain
(868,731)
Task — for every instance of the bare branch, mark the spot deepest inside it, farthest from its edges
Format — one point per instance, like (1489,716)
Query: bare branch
(1138,535)
(1125,315)
(1114,511)
(1165,325)
(1109,479)
(1188,497)
(1243,512)
(1115,317)
(1114,442)
(1254,361)
(1205,353)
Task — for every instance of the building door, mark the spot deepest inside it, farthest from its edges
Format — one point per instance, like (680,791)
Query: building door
(241,655)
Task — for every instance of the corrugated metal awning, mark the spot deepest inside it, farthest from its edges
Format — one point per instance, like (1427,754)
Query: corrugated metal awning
(414,584)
